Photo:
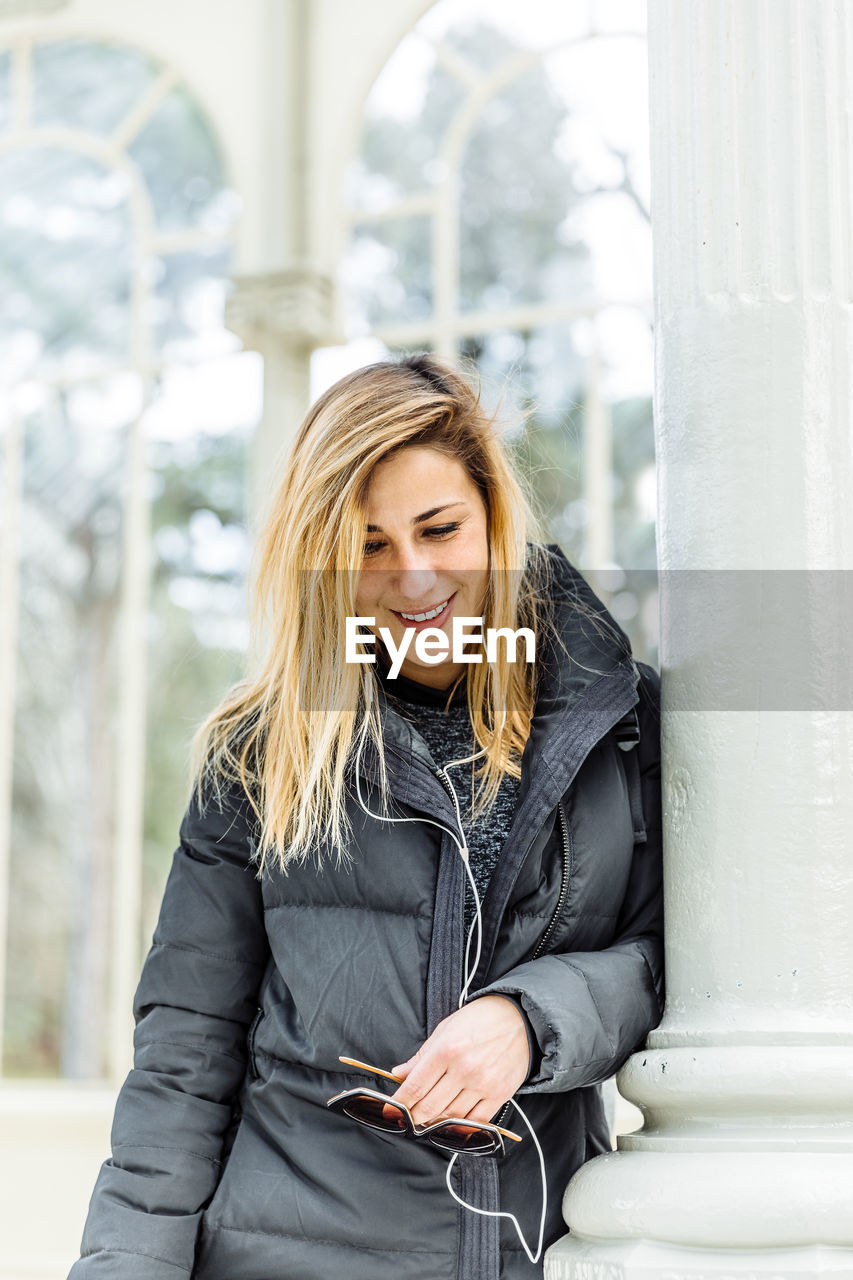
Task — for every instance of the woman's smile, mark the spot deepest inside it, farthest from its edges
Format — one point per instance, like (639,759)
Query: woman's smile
(431,616)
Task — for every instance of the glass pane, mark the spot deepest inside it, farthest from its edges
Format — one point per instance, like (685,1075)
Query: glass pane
(536,381)
(180,160)
(617,237)
(69,681)
(328,364)
(386,272)
(189,300)
(517,191)
(605,134)
(631,591)
(530,376)
(64,746)
(407,116)
(624,341)
(79,84)
(623,338)
(66,255)
(199,629)
(5,90)
(533,381)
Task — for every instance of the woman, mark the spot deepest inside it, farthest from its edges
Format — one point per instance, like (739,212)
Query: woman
(447,872)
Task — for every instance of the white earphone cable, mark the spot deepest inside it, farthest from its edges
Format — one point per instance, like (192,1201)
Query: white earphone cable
(504,1213)
(469,970)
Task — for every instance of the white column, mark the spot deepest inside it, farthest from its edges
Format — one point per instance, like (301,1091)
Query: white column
(284,315)
(745,1164)
(282,304)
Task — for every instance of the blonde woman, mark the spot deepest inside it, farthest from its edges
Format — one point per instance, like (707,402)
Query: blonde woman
(414,918)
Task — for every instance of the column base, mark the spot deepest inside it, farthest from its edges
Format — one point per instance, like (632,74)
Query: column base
(737,1200)
(574,1258)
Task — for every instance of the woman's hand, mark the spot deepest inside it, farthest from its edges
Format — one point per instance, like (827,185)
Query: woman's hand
(471,1064)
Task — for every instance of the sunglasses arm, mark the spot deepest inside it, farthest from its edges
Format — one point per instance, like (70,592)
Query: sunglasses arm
(375,1071)
(507,1133)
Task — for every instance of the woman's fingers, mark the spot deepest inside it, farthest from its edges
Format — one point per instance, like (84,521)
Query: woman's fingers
(427,1087)
(436,1103)
(462,1107)
(479,1050)
(485,1110)
(469,1105)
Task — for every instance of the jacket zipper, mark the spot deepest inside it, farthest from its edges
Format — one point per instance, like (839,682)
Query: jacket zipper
(564,885)
(447,784)
(565,880)
(566,875)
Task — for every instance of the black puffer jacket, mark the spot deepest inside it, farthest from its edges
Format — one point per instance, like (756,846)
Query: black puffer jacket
(226,1164)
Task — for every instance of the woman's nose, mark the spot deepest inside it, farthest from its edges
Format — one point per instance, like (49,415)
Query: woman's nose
(415,574)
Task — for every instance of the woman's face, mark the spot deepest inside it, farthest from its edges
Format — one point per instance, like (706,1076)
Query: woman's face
(426,546)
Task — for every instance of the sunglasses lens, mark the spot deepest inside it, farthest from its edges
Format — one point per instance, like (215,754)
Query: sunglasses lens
(380,1115)
(464,1137)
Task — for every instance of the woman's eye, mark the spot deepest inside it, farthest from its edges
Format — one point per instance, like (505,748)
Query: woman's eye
(435,531)
(441,530)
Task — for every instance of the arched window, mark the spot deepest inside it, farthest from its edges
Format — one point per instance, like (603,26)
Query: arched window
(125,412)
(499,210)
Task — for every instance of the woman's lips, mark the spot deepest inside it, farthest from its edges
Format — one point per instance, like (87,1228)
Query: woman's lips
(437,621)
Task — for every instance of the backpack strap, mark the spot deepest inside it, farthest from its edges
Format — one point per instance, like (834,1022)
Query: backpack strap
(627,733)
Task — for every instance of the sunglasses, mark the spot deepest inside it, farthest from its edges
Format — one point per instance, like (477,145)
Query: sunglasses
(378,1111)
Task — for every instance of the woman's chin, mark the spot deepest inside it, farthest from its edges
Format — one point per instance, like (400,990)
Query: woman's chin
(438,675)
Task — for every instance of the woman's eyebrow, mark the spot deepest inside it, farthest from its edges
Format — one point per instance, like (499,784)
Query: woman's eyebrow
(425,515)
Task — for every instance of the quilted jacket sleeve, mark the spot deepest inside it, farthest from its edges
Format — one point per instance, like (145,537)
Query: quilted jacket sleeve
(589,1010)
(194,1003)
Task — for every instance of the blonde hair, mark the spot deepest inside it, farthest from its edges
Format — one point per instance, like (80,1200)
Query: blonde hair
(289,733)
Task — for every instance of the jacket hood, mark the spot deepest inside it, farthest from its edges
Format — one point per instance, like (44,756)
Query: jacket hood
(584,642)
